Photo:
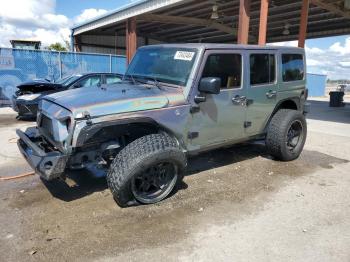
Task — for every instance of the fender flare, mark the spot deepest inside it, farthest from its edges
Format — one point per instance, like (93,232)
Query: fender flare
(296,100)
(89,131)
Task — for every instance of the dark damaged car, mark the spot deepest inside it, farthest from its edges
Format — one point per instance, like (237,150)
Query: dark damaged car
(28,94)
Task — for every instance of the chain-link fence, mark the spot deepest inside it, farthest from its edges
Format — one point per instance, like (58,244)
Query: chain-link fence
(18,65)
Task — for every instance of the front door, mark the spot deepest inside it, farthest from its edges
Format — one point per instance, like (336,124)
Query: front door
(262,90)
(221,117)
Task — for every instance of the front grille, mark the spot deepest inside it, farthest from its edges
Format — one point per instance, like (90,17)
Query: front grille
(46,126)
(23,110)
(26,109)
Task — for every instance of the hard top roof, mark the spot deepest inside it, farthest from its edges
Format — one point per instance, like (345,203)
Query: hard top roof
(224,46)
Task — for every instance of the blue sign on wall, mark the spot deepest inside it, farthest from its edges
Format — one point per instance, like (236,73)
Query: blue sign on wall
(316,84)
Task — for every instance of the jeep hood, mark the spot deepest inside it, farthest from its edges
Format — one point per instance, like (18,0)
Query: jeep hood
(116,99)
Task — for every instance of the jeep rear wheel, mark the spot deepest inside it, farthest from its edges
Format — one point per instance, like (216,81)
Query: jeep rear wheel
(146,170)
(286,134)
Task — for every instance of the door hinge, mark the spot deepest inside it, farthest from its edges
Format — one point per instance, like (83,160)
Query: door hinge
(247,124)
(249,102)
(192,135)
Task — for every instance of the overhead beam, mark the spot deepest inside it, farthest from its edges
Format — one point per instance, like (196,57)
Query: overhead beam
(180,20)
(103,45)
(311,35)
(333,8)
(303,23)
(264,9)
(243,22)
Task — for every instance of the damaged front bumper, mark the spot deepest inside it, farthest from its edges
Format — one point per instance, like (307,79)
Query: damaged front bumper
(46,162)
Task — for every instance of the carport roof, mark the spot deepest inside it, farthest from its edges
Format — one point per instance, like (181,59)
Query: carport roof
(155,19)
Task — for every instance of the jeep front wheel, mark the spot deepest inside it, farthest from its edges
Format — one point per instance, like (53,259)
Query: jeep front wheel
(146,170)
(286,134)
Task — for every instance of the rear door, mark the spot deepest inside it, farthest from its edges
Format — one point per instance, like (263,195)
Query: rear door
(262,89)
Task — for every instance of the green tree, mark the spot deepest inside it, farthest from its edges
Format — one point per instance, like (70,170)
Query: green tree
(57,47)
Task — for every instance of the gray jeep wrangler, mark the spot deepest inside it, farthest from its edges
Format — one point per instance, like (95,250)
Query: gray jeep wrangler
(174,101)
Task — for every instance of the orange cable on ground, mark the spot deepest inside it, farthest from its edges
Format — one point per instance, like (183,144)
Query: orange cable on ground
(16,177)
(13,140)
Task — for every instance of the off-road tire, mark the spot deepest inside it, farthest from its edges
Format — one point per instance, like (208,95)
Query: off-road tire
(277,131)
(135,158)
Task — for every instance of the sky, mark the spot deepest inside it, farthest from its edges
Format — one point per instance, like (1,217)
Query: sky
(50,20)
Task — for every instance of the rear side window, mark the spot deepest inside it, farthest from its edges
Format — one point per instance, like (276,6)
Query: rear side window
(292,67)
(262,69)
(227,67)
(91,81)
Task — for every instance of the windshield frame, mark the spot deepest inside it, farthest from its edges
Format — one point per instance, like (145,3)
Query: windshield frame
(160,79)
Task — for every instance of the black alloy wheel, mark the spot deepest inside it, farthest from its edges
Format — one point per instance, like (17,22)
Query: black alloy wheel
(155,182)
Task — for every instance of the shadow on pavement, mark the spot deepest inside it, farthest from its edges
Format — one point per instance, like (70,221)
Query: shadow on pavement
(226,156)
(78,185)
(82,183)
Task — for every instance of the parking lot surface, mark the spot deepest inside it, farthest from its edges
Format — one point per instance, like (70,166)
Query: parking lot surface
(236,204)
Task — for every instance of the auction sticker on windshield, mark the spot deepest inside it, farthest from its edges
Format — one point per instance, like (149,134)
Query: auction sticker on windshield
(184,55)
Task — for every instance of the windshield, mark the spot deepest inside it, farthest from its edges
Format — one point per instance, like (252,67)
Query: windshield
(67,80)
(168,65)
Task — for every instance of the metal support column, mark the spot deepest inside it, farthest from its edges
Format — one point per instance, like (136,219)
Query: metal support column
(303,23)
(110,63)
(131,38)
(264,9)
(243,24)
(60,64)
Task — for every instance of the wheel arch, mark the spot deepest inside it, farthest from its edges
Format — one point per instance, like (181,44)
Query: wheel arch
(292,103)
(133,128)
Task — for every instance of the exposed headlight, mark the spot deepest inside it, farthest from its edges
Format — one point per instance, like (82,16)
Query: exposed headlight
(29,97)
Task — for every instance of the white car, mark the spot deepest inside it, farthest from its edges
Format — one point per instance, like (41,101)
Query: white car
(344,87)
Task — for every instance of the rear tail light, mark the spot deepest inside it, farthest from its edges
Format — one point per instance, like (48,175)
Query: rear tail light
(305,94)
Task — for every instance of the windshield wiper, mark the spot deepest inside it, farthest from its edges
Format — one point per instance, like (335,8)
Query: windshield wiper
(132,78)
(155,81)
(159,83)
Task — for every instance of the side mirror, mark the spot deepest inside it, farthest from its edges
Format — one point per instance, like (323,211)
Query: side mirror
(210,85)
